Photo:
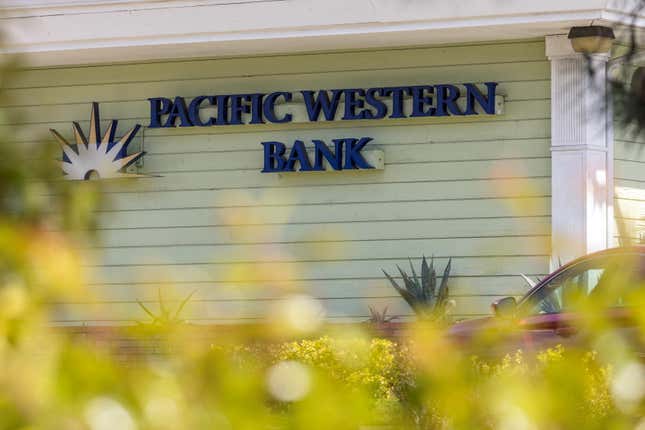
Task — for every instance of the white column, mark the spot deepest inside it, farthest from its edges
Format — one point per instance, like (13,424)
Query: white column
(581,152)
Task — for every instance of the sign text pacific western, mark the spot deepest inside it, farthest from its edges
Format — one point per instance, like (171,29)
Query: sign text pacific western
(337,104)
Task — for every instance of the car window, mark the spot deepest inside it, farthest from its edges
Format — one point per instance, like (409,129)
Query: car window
(564,291)
(612,280)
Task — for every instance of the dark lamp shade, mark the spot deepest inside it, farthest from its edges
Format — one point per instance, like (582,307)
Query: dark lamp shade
(594,39)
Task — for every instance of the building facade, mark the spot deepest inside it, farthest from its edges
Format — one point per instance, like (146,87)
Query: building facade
(509,179)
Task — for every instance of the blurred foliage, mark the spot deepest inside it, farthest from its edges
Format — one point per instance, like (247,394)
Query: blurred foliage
(376,368)
(627,82)
(32,193)
(43,219)
(628,91)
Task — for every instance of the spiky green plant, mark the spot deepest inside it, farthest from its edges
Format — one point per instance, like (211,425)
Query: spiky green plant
(380,317)
(165,317)
(547,304)
(428,299)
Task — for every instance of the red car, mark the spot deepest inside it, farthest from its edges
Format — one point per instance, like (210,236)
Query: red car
(605,290)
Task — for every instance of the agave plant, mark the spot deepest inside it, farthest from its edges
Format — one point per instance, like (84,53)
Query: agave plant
(547,304)
(380,317)
(165,318)
(427,299)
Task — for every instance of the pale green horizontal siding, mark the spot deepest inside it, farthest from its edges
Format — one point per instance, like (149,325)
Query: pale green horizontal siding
(629,201)
(475,188)
(338,213)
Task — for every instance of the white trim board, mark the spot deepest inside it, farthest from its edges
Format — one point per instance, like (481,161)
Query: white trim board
(103,31)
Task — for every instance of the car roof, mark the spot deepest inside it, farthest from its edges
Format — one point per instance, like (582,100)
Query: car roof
(609,251)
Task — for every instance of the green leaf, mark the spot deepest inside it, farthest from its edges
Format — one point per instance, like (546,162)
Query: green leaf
(162,306)
(432,300)
(373,314)
(406,279)
(146,310)
(442,294)
(409,284)
(183,303)
(425,280)
(416,279)
(392,281)
(405,294)
(528,280)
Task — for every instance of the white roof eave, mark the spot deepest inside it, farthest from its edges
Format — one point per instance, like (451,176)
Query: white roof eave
(68,32)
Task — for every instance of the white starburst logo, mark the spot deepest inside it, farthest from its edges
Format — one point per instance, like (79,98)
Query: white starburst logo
(93,158)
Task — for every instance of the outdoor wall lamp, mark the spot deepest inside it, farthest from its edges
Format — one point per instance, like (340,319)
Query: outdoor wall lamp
(594,39)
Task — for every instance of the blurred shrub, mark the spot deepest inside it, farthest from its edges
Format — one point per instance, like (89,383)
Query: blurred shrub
(554,366)
(378,367)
